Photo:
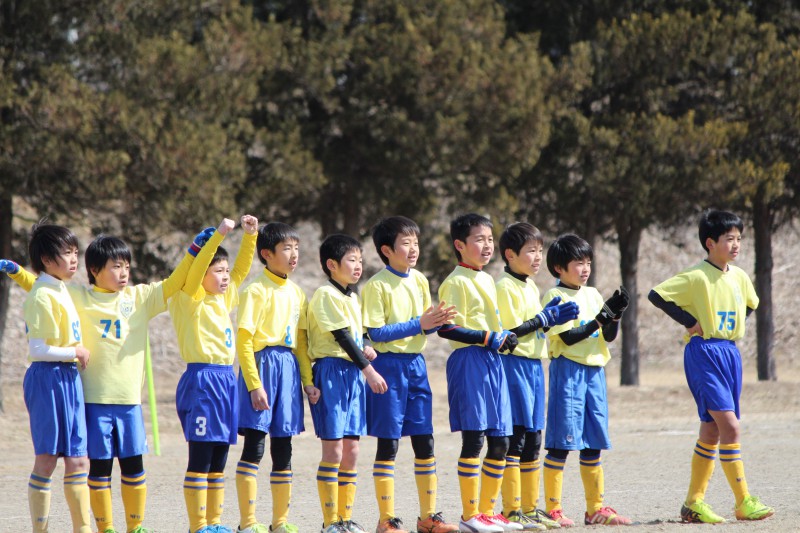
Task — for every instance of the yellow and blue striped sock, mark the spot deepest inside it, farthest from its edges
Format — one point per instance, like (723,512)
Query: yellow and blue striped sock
(76,492)
(134,498)
(327,486)
(469,482)
(593,482)
(427,481)
(39,501)
(383,478)
(215,500)
(512,490)
(553,481)
(280,483)
(730,458)
(347,493)
(491,480)
(100,501)
(246,492)
(195,493)
(702,469)
(530,477)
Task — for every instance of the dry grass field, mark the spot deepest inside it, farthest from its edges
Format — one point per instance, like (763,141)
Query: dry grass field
(653,426)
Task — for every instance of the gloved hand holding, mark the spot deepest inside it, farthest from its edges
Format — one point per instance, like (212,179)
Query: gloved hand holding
(614,307)
(555,313)
(502,341)
(200,240)
(8,266)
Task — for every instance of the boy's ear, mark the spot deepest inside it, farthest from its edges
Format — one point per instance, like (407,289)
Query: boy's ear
(386,250)
(710,244)
(509,254)
(265,254)
(459,245)
(558,269)
(332,265)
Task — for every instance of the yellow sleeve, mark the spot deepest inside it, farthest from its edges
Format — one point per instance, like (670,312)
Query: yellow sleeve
(197,271)
(24,279)
(301,353)
(175,281)
(247,360)
(244,259)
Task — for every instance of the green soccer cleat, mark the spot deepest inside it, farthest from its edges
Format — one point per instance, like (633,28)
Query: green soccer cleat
(286,527)
(255,528)
(700,513)
(751,508)
(527,523)
(537,515)
(140,529)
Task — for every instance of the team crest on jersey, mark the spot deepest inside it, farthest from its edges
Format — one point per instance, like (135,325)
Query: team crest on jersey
(295,314)
(126,308)
(737,293)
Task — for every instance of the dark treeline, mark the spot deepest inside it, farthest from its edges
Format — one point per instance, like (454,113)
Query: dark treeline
(604,118)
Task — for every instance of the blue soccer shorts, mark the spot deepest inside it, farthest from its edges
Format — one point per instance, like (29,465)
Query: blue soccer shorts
(406,408)
(54,397)
(713,369)
(477,392)
(115,430)
(207,403)
(577,407)
(342,407)
(280,376)
(526,391)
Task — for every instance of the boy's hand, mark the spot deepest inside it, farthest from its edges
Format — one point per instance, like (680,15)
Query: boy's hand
(556,313)
(200,240)
(503,341)
(375,381)
(435,317)
(258,397)
(313,394)
(618,302)
(82,355)
(695,330)
(8,266)
(250,224)
(225,226)
(370,353)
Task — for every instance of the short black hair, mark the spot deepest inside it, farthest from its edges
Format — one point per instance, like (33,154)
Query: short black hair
(461,227)
(220,255)
(335,247)
(566,248)
(100,250)
(516,235)
(48,241)
(714,223)
(272,234)
(388,229)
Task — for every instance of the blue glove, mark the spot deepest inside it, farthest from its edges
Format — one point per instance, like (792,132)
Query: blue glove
(503,341)
(8,266)
(200,240)
(556,313)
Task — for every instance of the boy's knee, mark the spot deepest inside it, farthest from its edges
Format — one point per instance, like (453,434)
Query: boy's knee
(75,464)
(280,449)
(45,465)
(471,444)
(387,449)
(423,446)
(497,448)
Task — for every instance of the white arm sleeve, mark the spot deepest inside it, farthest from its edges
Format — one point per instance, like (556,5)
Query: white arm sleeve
(40,351)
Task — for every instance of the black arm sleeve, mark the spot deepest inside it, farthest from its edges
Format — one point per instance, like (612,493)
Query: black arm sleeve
(677,314)
(528,326)
(576,335)
(345,340)
(749,312)
(610,331)
(456,333)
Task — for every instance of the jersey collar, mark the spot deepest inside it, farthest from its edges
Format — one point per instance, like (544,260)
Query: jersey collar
(397,272)
(274,278)
(50,280)
(470,267)
(347,291)
(522,277)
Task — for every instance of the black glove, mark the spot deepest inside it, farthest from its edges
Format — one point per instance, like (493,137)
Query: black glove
(510,343)
(614,307)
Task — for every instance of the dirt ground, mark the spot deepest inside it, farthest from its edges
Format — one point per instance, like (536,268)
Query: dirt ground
(653,429)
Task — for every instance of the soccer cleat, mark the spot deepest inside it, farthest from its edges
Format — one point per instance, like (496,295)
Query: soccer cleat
(557,515)
(527,523)
(286,527)
(110,530)
(435,524)
(140,529)
(700,513)
(393,524)
(218,528)
(336,527)
(256,528)
(352,526)
(751,508)
(500,520)
(537,515)
(606,516)
(479,523)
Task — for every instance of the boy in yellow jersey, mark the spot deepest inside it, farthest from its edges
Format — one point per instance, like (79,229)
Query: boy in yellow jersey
(477,391)
(577,407)
(114,318)
(337,395)
(712,300)
(206,398)
(52,385)
(521,246)
(398,315)
(270,339)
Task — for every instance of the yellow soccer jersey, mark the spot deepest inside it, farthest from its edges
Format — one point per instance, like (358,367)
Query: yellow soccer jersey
(51,315)
(391,299)
(202,321)
(518,301)
(329,310)
(474,295)
(272,309)
(592,351)
(717,299)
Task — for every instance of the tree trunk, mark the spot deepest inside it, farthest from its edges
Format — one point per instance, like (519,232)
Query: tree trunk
(6,216)
(765,326)
(629,241)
